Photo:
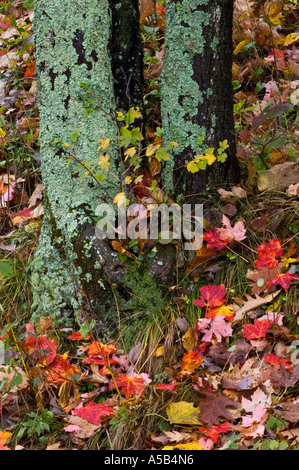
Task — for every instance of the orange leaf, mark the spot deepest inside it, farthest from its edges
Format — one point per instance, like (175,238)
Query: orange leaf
(192,360)
(4,436)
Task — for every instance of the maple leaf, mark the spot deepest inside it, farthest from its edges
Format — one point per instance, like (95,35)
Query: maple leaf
(100,349)
(211,237)
(4,436)
(217,326)
(268,252)
(215,431)
(284,280)
(226,310)
(258,406)
(93,412)
(192,360)
(281,378)
(41,348)
(256,330)
(168,387)
(77,336)
(211,296)
(261,278)
(276,360)
(229,233)
(61,369)
(131,384)
(213,406)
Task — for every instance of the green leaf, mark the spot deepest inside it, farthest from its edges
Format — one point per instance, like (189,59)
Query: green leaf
(74,137)
(5,269)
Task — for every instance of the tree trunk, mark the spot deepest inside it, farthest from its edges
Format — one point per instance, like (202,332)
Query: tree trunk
(126,52)
(72,38)
(73,270)
(196,89)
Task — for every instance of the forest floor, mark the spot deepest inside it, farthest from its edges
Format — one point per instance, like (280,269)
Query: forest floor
(218,368)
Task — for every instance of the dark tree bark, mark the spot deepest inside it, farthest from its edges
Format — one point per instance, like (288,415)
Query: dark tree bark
(126,52)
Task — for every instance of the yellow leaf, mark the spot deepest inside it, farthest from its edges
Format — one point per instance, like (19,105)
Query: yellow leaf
(189,340)
(183,412)
(130,152)
(189,446)
(128,179)
(241,45)
(104,162)
(120,199)
(291,39)
(209,157)
(274,12)
(66,144)
(159,351)
(151,149)
(192,167)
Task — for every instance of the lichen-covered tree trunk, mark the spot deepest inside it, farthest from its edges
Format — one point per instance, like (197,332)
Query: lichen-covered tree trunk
(73,270)
(196,89)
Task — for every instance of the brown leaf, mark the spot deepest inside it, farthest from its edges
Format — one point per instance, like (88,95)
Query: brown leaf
(290,411)
(264,274)
(189,340)
(221,356)
(279,177)
(36,195)
(253,303)
(280,378)
(214,406)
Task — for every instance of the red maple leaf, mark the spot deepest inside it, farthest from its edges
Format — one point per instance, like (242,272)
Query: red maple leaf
(100,349)
(267,254)
(77,336)
(93,412)
(211,296)
(41,348)
(256,330)
(215,431)
(25,213)
(211,237)
(61,369)
(168,387)
(275,360)
(130,385)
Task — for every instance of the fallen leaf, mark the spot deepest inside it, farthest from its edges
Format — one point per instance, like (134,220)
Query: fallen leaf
(214,405)
(183,412)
